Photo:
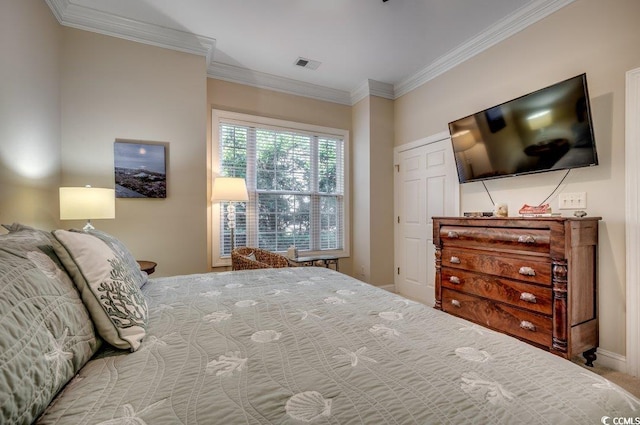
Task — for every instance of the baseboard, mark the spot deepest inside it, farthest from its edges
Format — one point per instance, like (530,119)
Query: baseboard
(390,288)
(611,360)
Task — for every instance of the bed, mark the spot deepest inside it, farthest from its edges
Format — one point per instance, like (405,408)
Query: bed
(271,346)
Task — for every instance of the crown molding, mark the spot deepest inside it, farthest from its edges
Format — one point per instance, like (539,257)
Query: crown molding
(380,89)
(372,88)
(236,74)
(504,29)
(360,92)
(85,18)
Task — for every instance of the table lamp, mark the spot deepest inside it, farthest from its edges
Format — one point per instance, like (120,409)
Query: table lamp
(230,189)
(462,142)
(87,203)
(539,122)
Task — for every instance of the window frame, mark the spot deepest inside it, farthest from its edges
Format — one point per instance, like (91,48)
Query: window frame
(217,260)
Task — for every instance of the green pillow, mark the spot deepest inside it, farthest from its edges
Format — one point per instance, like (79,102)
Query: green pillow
(108,286)
(46,334)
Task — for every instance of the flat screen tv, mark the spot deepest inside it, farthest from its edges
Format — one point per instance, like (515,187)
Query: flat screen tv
(549,129)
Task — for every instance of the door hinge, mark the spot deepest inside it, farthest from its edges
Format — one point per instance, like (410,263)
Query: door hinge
(397,168)
(398,219)
(398,270)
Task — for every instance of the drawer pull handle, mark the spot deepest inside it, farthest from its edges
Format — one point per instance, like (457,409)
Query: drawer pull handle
(526,239)
(528,326)
(455,303)
(527,271)
(530,298)
(455,260)
(453,235)
(454,279)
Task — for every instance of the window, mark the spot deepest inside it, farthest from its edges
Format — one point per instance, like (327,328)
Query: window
(295,177)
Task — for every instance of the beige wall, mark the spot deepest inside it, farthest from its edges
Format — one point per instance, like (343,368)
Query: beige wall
(372,198)
(117,89)
(360,197)
(29,114)
(592,36)
(266,103)
(382,172)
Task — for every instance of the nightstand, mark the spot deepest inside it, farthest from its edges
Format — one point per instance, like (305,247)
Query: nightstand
(147,266)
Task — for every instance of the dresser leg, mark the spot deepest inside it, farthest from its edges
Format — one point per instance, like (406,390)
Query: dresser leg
(590,356)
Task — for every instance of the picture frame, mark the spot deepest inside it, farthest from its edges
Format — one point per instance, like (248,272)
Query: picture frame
(140,169)
(495,119)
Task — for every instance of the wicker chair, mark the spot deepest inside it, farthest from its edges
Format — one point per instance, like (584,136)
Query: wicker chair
(241,260)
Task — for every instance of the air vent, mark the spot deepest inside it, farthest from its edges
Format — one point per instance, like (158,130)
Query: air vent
(307,63)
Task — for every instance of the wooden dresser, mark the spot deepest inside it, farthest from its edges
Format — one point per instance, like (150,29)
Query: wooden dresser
(532,278)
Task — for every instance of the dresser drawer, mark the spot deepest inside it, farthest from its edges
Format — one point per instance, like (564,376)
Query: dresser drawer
(501,317)
(531,297)
(500,238)
(528,269)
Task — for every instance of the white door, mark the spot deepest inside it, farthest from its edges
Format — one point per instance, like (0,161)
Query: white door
(425,185)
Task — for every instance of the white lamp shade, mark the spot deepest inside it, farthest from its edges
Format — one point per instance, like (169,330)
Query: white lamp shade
(539,120)
(86,203)
(229,189)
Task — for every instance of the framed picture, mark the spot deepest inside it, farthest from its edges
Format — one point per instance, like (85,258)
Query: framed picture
(140,169)
(495,119)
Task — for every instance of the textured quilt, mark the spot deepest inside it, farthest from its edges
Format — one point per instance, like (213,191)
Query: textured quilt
(310,345)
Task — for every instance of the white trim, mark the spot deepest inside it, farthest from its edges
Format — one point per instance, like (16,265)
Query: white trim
(372,88)
(418,143)
(86,18)
(611,360)
(632,222)
(380,89)
(89,19)
(504,29)
(235,74)
(214,218)
(389,288)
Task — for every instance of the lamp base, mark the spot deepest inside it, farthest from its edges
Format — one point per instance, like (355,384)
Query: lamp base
(88,226)
(231,222)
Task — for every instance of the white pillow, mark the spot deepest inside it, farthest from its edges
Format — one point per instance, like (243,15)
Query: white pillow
(108,287)
(124,254)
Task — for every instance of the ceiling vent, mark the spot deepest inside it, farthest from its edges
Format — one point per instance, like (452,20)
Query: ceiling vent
(307,63)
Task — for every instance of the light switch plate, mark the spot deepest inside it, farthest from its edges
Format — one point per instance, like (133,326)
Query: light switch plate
(572,201)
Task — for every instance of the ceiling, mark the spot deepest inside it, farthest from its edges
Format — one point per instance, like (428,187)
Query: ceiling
(363,46)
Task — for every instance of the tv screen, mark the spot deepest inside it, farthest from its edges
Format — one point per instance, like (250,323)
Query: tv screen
(549,129)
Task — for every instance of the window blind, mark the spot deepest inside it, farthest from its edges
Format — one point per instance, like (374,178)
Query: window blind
(295,181)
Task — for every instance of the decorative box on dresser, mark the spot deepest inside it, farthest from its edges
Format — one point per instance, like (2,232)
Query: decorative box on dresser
(532,278)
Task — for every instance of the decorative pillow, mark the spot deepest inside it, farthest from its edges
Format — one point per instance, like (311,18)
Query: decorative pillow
(107,285)
(46,334)
(16,227)
(123,253)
